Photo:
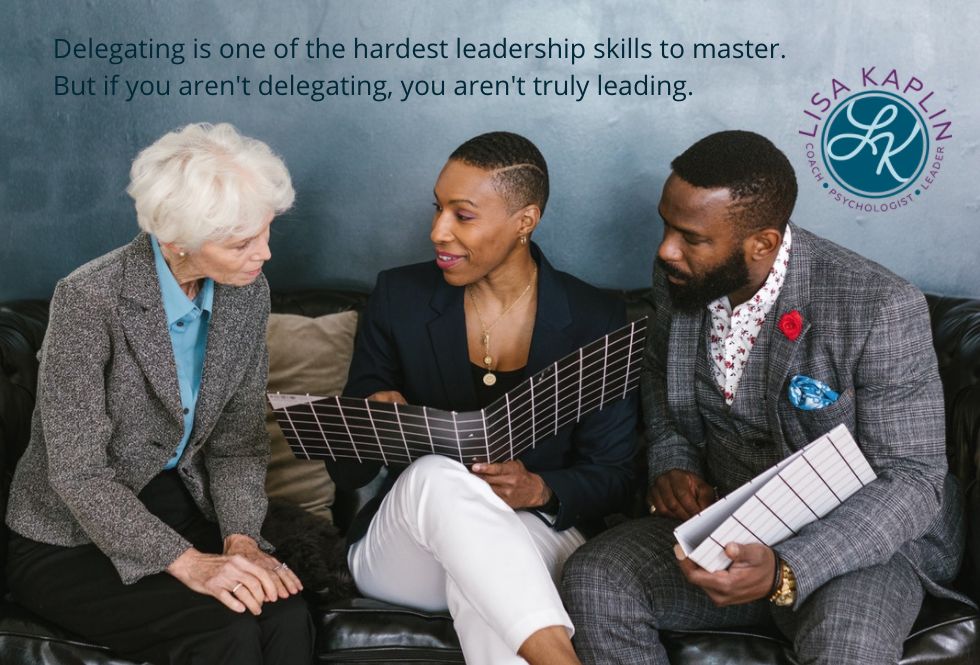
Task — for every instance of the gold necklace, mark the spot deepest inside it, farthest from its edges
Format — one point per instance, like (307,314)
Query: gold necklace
(489,378)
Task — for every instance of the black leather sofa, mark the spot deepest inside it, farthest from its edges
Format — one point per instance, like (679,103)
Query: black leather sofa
(358,630)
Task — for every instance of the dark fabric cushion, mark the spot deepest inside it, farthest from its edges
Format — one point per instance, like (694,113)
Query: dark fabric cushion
(317,302)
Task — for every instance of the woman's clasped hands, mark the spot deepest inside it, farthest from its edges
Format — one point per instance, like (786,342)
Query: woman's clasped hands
(242,577)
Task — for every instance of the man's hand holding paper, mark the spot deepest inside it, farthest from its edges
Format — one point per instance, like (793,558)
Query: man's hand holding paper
(750,577)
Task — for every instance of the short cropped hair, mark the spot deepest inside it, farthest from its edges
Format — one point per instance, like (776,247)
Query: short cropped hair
(520,174)
(206,182)
(761,179)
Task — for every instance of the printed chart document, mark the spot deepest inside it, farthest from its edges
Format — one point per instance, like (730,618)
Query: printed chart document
(562,393)
(780,501)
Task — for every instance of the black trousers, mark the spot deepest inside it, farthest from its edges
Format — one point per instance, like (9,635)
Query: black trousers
(158,619)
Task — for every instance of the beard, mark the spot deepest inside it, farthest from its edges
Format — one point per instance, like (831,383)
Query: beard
(701,289)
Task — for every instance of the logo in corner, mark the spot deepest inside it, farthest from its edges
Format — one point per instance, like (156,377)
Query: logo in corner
(876,150)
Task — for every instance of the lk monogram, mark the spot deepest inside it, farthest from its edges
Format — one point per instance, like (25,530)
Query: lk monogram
(886,115)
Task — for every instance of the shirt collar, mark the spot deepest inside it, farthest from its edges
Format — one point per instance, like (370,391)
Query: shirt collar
(175,302)
(773,285)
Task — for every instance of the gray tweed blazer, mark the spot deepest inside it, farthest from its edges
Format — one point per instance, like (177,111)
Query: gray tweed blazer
(866,333)
(108,416)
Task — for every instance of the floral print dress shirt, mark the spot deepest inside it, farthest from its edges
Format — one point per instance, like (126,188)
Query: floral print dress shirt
(733,333)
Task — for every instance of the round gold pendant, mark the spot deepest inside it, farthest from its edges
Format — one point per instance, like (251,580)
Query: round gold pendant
(487,361)
(489,379)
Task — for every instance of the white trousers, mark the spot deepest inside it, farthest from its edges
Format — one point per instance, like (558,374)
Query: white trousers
(443,540)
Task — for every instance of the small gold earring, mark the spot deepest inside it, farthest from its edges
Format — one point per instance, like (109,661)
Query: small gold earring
(523,240)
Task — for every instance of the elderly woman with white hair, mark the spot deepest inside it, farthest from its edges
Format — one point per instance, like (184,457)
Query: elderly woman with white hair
(136,509)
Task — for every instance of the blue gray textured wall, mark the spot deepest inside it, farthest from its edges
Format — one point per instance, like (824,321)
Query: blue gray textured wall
(364,170)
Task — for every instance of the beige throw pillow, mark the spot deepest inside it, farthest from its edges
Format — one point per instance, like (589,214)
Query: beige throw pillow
(306,356)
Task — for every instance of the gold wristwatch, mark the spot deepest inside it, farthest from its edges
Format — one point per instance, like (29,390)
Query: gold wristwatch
(785,592)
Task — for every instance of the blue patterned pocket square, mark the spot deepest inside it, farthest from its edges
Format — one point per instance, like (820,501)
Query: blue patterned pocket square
(809,394)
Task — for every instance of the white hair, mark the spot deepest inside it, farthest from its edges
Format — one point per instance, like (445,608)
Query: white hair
(206,183)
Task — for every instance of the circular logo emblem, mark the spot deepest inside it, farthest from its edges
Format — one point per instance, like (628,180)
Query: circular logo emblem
(875,144)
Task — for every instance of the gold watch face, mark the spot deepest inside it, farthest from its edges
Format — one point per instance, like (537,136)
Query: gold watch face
(787,588)
(785,597)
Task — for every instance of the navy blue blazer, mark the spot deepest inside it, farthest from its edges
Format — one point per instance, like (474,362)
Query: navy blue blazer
(412,338)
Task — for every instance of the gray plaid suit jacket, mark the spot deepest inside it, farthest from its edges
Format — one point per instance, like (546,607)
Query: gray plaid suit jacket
(108,416)
(866,333)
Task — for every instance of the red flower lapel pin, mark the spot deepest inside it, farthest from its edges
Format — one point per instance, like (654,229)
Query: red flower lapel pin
(791,324)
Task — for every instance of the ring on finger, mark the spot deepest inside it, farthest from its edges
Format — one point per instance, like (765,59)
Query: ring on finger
(281,566)
(653,509)
(237,587)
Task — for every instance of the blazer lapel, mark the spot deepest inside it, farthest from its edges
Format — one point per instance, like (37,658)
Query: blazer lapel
(682,353)
(782,353)
(223,359)
(144,323)
(685,332)
(447,333)
(549,338)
